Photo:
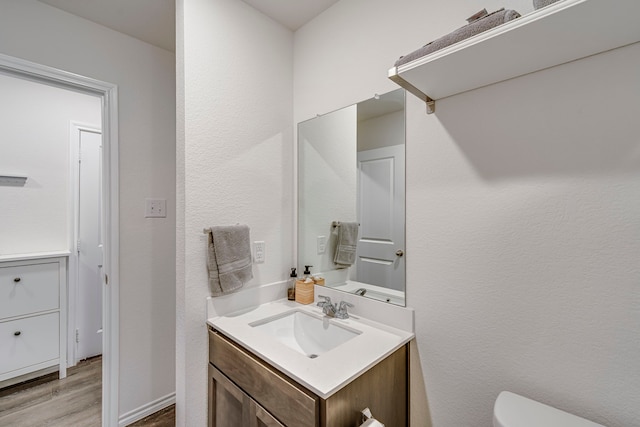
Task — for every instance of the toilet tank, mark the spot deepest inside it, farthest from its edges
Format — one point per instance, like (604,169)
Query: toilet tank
(512,410)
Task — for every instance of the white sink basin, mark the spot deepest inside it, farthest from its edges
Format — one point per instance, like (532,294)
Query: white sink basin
(304,332)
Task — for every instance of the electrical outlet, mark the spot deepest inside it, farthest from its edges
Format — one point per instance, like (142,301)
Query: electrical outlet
(155,208)
(258,252)
(322,244)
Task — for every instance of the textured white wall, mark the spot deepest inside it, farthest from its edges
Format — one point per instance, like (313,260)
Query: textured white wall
(145,76)
(235,149)
(523,220)
(34,130)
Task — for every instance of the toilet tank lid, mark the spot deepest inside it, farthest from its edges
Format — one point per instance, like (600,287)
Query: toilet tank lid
(513,410)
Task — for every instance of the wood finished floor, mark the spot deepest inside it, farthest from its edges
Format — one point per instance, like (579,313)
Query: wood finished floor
(163,418)
(70,402)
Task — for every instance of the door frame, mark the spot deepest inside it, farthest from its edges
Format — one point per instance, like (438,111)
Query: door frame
(75,131)
(108,92)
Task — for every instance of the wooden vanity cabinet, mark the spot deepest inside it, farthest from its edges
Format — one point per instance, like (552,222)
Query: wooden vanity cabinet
(233,406)
(245,391)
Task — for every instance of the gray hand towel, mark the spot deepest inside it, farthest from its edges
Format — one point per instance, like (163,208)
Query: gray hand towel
(478,26)
(229,258)
(345,254)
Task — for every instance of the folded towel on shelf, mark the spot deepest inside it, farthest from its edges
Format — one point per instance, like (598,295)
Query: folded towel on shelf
(345,254)
(537,4)
(476,26)
(228,258)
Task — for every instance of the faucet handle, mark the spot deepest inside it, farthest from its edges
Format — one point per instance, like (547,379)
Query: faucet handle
(327,301)
(342,310)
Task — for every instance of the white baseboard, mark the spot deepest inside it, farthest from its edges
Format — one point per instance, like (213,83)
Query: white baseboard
(146,410)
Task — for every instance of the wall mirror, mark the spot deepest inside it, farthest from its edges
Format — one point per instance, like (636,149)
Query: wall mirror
(351,169)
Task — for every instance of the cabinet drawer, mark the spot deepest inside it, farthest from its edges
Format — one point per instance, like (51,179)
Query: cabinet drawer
(290,404)
(30,288)
(29,341)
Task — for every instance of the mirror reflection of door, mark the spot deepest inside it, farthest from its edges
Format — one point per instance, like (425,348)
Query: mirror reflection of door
(380,249)
(89,247)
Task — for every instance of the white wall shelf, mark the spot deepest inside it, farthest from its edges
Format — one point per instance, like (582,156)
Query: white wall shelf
(559,33)
(13,180)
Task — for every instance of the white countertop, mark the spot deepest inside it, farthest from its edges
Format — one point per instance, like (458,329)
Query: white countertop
(330,371)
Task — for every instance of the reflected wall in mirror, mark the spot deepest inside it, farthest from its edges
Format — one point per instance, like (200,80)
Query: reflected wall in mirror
(351,169)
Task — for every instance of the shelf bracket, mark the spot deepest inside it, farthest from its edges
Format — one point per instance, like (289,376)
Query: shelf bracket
(431,105)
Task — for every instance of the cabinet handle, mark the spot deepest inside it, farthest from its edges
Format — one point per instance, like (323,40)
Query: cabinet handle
(17,333)
(17,279)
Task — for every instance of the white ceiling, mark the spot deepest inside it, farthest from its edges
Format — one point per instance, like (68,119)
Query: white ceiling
(293,14)
(153,21)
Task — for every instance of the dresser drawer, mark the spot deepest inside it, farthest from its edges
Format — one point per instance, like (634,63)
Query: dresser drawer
(29,341)
(289,403)
(29,288)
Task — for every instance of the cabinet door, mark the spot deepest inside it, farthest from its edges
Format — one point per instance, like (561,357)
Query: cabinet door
(229,406)
(226,402)
(261,418)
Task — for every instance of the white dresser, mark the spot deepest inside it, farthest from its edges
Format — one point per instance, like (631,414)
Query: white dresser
(33,316)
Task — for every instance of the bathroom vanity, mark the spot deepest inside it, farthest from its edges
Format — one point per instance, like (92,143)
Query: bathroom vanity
(258,375)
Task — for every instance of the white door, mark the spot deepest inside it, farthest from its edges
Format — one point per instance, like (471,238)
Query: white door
(89,290)
(380,250)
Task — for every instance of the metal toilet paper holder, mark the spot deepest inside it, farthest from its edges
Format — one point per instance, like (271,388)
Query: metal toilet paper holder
(367,418)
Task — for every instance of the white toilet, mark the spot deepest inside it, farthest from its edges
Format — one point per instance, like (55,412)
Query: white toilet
(512,410)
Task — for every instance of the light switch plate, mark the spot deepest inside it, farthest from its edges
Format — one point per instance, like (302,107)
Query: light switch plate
(155,208)
(259,251)
(322,244)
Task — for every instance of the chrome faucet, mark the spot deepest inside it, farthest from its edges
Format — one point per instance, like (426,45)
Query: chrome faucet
(342,310)
(330,309)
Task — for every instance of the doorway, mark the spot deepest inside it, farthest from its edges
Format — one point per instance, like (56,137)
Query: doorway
(108,223)
(85,296)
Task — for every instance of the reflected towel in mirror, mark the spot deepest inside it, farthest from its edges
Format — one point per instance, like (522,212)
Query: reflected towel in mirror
(228,258)
(345,253)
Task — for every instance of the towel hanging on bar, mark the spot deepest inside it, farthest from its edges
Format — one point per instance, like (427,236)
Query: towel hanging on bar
(228,258)
(345,253)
